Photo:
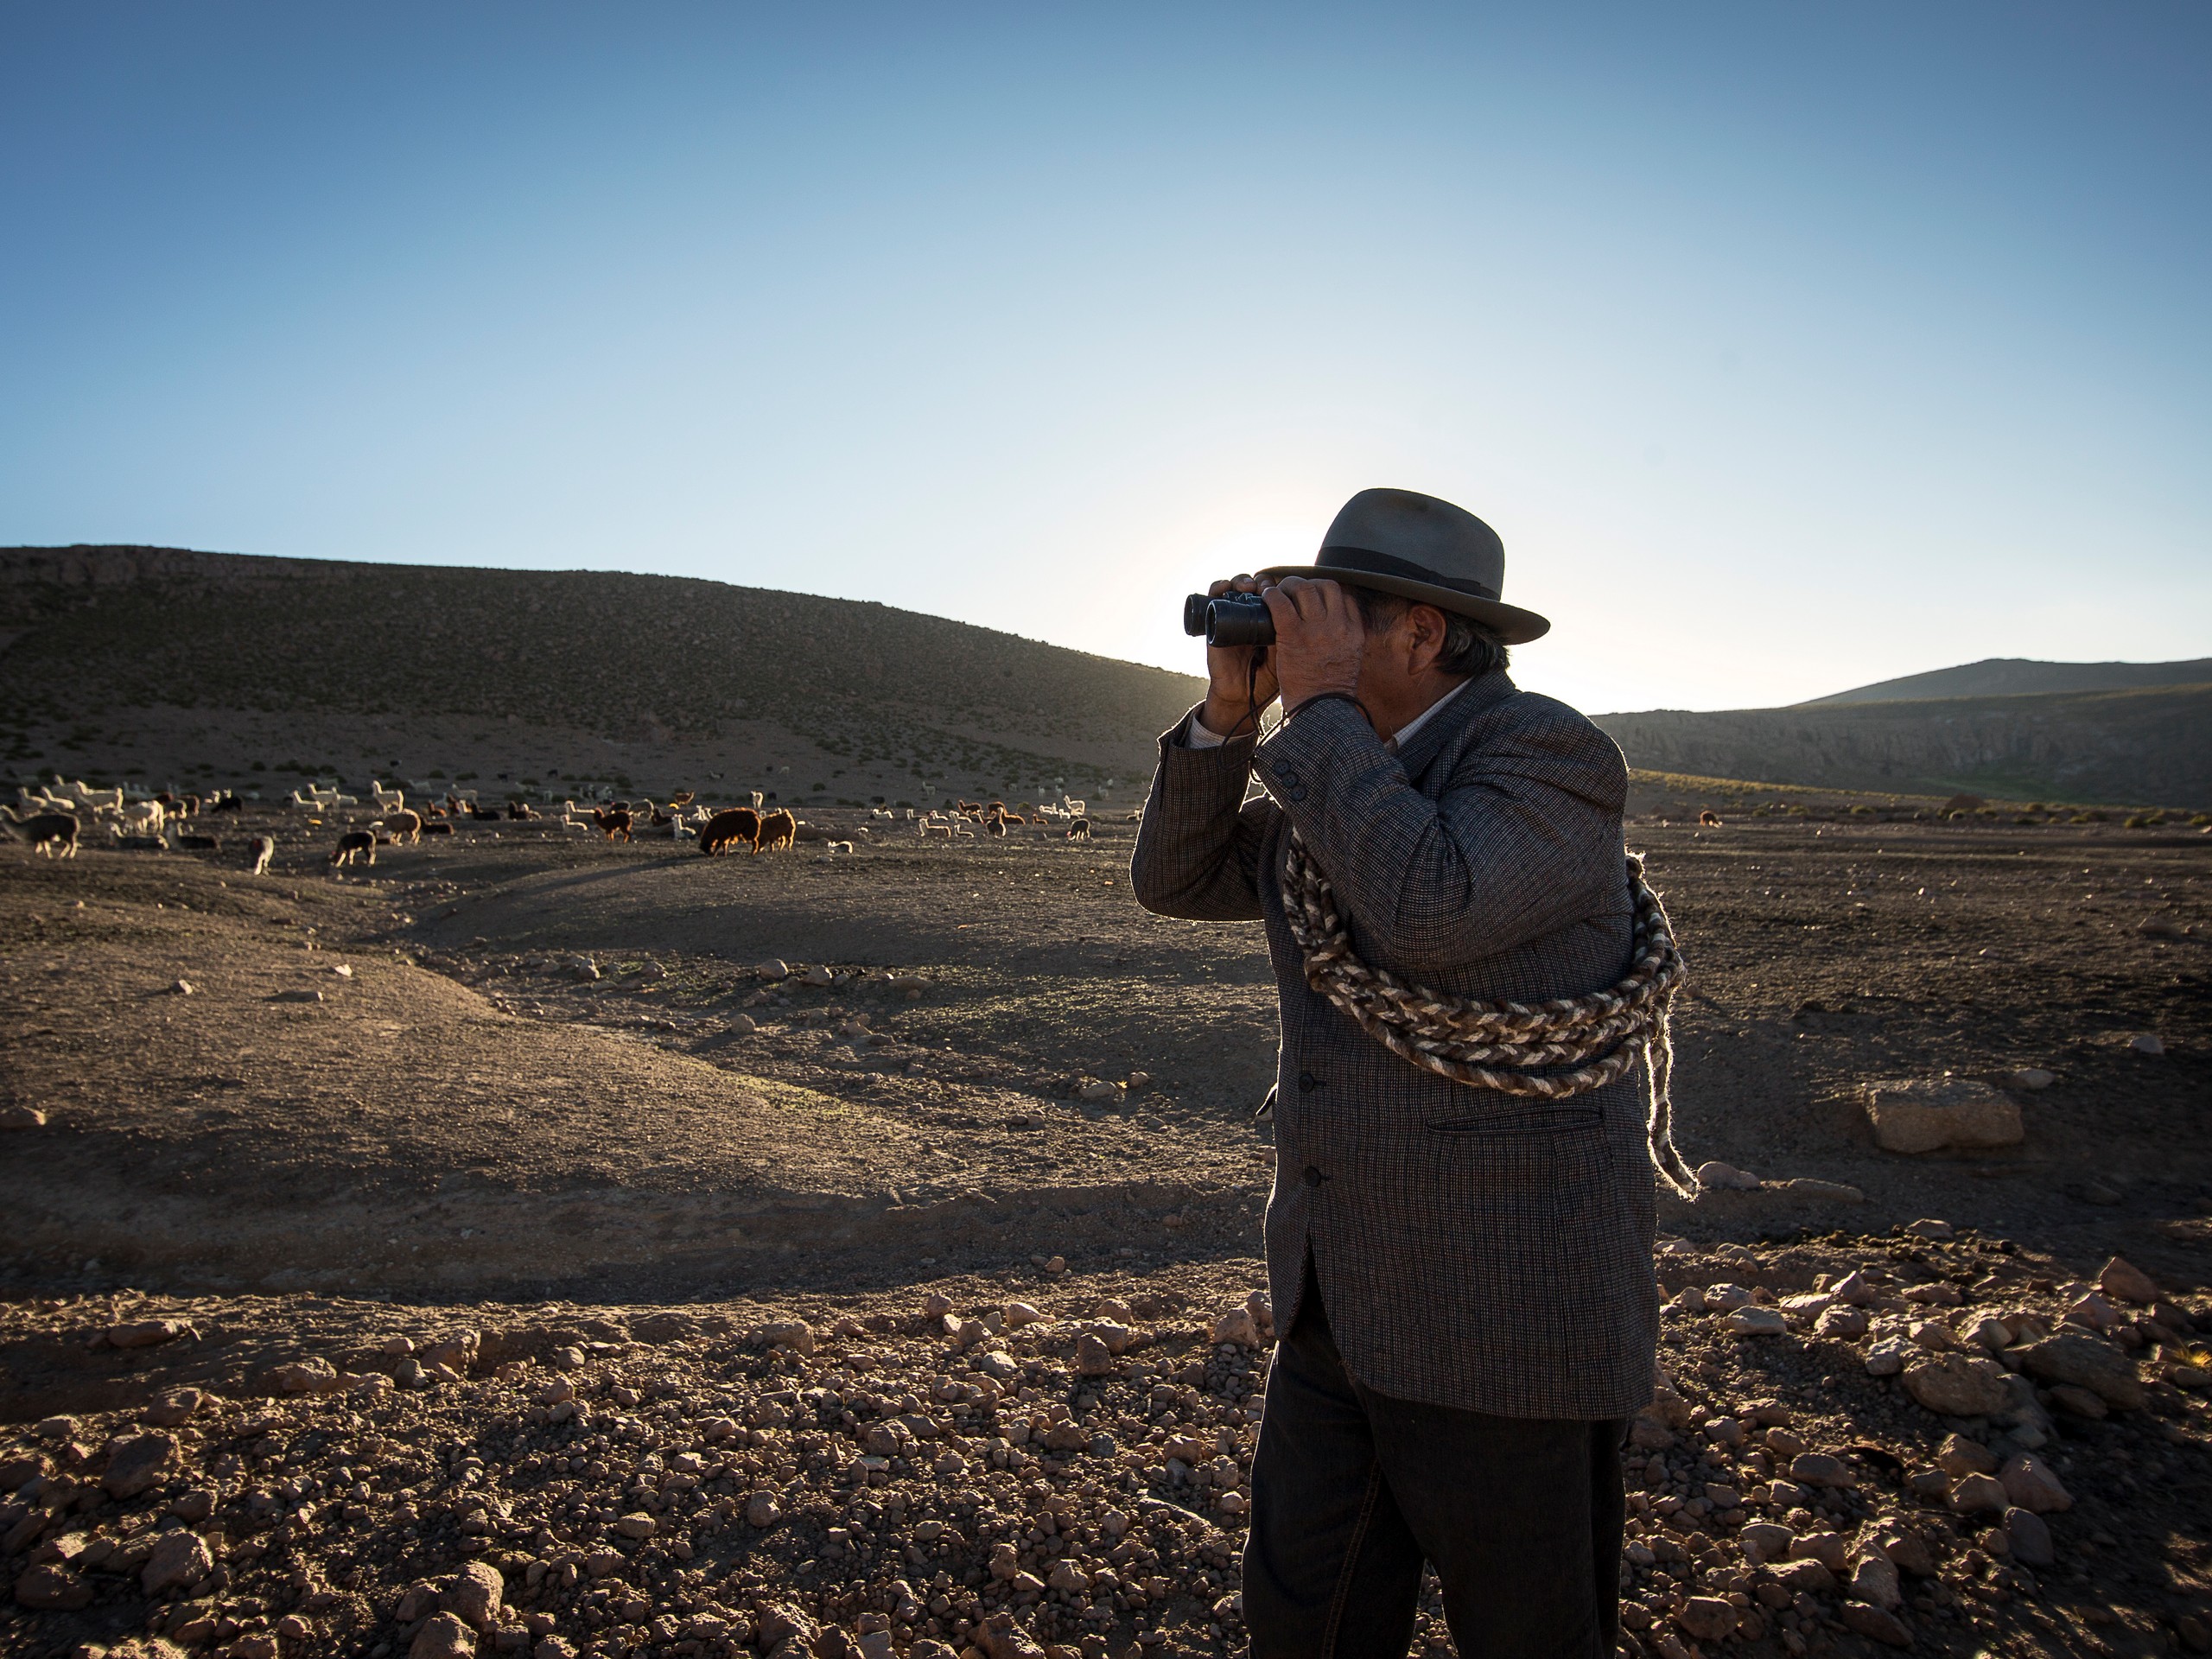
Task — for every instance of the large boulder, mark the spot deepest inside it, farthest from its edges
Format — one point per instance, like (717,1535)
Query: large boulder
(178,1559)
(2085,1363)
(1958,1385)
(140,1464)
(2031,1486)
(445,1637)
(2123,1279)
(1912,1115)
(475,1594)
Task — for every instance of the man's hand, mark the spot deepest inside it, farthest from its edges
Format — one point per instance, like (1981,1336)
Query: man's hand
(1238,688)
(1319,638)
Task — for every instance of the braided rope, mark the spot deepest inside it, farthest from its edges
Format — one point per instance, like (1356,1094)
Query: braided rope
(1512,1047)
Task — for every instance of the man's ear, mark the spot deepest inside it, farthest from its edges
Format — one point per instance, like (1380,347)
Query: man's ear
(1425,631)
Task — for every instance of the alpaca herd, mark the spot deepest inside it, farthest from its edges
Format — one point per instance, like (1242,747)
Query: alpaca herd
(997,819)
(52,819)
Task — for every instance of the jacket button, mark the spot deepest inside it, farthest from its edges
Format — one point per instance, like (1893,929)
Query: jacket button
(1307,1082)
(1314,1177)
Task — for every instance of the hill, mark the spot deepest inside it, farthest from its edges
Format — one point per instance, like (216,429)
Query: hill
(116,658)
(2002,676)
(2147,746)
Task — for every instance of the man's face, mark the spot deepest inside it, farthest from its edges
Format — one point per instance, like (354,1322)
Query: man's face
(1403,641)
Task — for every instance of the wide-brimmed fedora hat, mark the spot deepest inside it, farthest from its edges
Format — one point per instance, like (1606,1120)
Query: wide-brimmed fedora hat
(1424,549)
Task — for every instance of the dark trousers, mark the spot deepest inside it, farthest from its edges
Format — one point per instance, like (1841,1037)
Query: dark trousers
(1352,1489)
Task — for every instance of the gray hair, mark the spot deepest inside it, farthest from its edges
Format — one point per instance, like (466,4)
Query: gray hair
(1469,647)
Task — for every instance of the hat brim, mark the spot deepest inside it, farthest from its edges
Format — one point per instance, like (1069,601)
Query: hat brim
(1508,622)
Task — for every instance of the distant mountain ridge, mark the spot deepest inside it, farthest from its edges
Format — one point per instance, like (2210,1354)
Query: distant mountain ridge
(2003,677)
(2150,746)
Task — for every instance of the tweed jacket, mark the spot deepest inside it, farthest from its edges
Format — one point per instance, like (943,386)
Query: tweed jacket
(1473,1249)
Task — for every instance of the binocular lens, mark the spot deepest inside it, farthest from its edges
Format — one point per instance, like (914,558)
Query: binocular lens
(1232,619)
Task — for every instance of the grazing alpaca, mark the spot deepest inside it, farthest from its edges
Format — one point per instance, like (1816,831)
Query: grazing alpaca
(405,826)
(613,821)
(778,828)
(1709,818)
(735,826)
(264,848)
(1079,829)
(354,844)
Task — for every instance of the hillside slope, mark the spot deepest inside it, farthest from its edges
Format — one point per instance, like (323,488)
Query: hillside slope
(2007,677)
(642,661)
(2150,746)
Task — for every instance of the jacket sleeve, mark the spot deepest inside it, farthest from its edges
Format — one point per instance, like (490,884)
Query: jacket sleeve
(1524,839)
(1198,851)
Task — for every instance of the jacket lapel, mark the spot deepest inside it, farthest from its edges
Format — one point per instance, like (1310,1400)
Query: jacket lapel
(1440,734)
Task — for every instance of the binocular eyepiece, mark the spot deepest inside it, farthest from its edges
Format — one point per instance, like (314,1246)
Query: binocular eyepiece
(1232,619)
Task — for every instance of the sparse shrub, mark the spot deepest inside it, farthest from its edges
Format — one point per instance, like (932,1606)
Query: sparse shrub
(2136,821)
(1862,810)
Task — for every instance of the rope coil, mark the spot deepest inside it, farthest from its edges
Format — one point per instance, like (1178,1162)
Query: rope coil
(1514,1048)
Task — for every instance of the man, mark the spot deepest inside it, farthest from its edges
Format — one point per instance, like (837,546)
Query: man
(1462,1276)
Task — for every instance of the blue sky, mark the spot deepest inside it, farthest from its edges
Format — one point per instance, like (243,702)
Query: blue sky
(1788,347)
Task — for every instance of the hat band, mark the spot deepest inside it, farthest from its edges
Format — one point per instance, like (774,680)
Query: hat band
(1384,564)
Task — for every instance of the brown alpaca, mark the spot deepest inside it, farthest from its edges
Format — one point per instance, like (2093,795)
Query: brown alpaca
(53,835)
(405,826)
(1710,819)
(355,843)
(733,826)
(613,821)
(778,828)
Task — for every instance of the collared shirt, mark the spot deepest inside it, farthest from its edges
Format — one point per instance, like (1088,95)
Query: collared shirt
(1201,736)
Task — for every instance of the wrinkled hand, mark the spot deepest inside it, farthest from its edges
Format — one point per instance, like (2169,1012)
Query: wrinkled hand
(1235,693)
(1319,638)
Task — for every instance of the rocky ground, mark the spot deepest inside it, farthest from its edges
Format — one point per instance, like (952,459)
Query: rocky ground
(485,1252)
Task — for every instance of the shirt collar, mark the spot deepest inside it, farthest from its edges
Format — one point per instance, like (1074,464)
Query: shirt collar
(1405,733)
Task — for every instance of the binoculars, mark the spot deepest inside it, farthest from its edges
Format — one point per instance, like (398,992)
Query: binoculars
(1232,619)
